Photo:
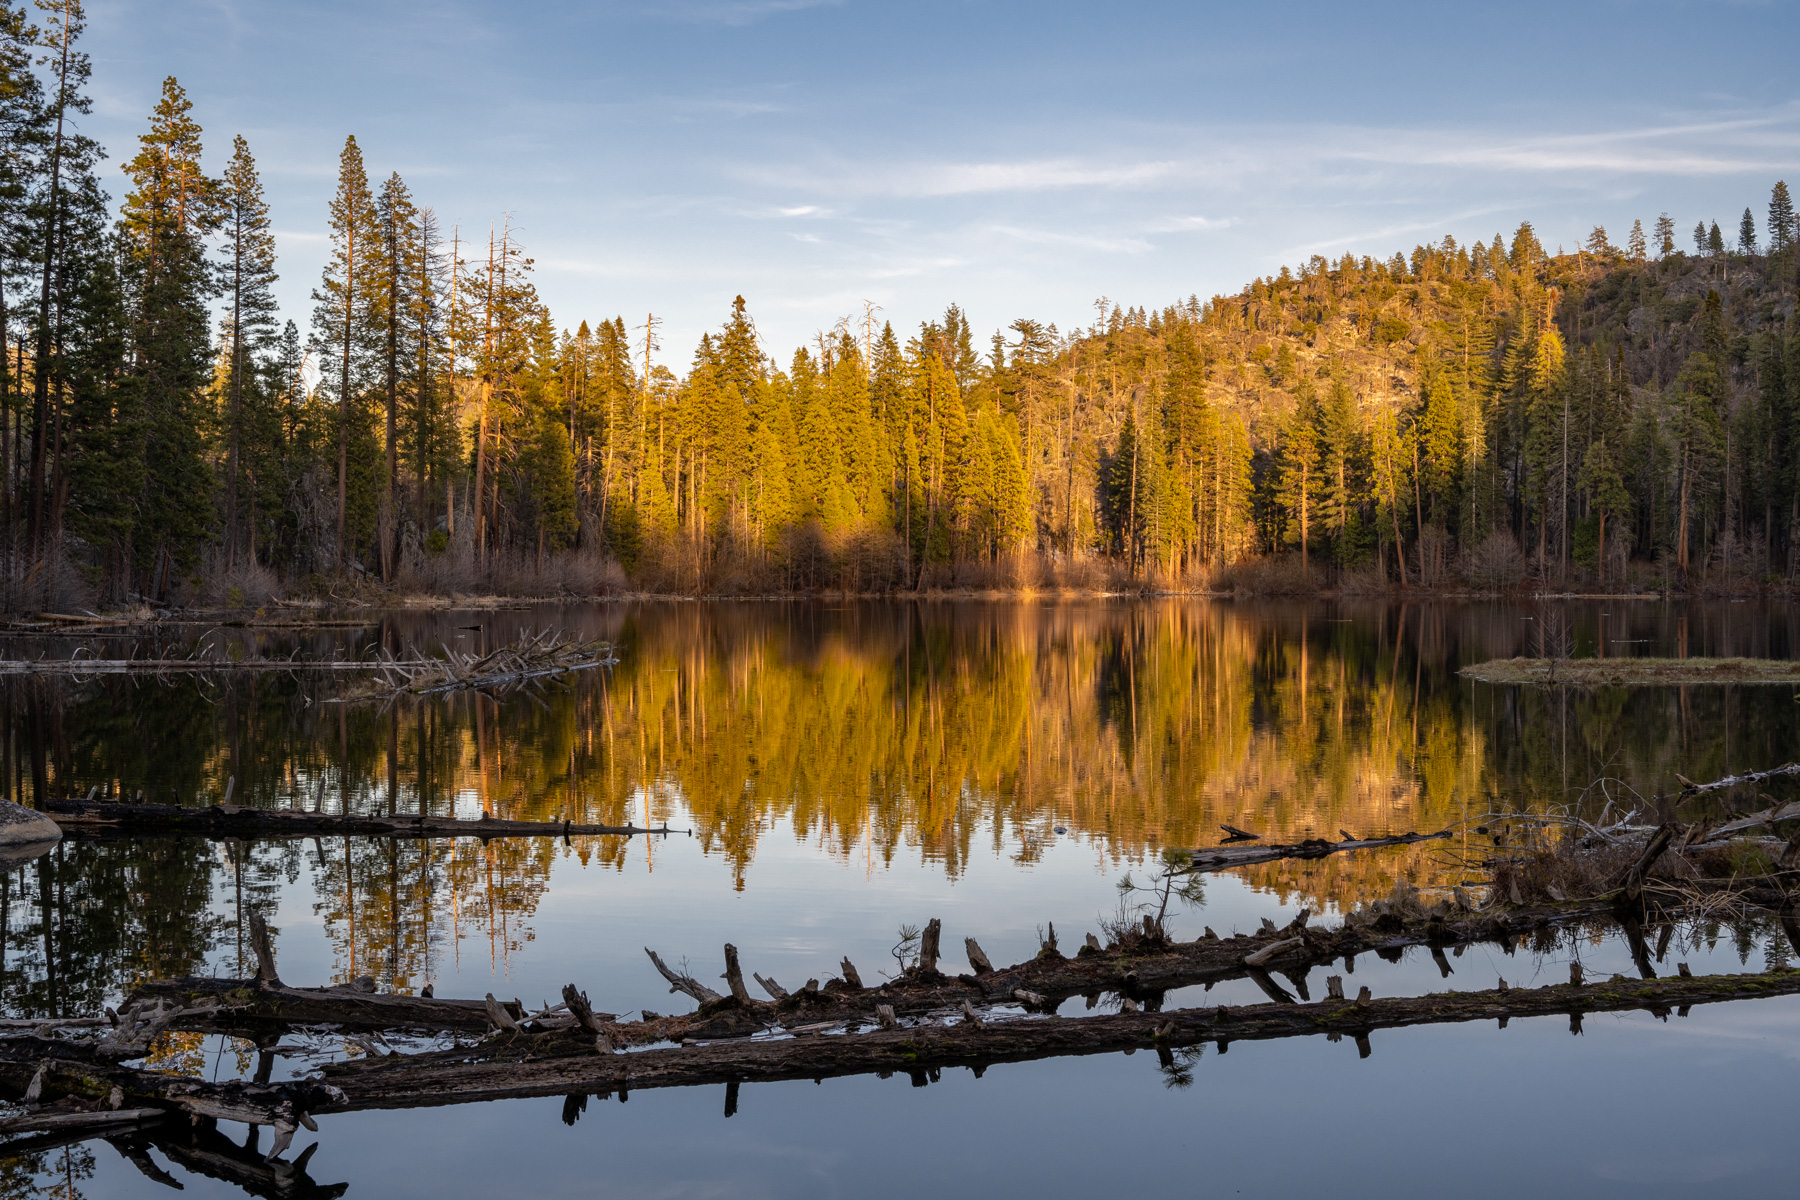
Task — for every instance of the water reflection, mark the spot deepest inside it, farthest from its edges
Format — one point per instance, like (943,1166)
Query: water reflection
(891,737)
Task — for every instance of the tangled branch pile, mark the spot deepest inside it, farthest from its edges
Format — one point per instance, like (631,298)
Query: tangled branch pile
(1556,858)
(540,656)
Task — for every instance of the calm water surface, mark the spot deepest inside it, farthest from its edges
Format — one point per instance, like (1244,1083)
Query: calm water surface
(836,770)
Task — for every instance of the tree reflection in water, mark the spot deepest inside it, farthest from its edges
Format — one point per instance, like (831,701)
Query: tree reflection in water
(917,735)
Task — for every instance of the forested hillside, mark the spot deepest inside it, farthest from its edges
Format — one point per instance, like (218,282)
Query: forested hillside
(1486,415)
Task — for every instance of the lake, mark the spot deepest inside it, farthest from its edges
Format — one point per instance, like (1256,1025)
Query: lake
(831,771)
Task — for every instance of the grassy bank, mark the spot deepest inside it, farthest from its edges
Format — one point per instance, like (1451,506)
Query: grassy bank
(1635,672)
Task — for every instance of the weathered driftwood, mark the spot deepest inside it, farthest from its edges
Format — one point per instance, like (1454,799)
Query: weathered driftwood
(1690,788)
(1217,858)
(531,658)
(1142,970)
(897,1026)
(1756,820)
(456,1077)
(92,1121)
(167,666)
(59,1074)
(245,1005)
(563,1063)
(101,817)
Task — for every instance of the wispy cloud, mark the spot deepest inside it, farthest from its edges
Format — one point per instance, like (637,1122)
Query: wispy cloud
(1083,241)
(1722,144)
(920,180)
(736,12)
(1310,155)
(1189,224)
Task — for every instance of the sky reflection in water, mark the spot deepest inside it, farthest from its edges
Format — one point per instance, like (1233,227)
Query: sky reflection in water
(847,768)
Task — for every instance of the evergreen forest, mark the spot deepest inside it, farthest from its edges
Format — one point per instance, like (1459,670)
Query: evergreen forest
(1494,415)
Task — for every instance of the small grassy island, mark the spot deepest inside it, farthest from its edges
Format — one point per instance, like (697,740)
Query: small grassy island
(1635,672)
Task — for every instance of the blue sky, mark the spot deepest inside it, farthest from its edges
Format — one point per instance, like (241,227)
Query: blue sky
(1020,159)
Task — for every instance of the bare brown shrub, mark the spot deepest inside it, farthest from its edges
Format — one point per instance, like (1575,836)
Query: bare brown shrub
(1495,564)
(1277,575)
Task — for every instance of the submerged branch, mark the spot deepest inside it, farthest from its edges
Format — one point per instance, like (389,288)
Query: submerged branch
(1218,858)
(101,817)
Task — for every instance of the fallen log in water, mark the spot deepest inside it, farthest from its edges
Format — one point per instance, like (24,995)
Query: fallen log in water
(91,817)
(531,658)
(248,1006)
(568,1061)
(1690,788)
(171,666)
(1141,969)
(537,1068)
(1218,858)
(45,1071)
(900,1025)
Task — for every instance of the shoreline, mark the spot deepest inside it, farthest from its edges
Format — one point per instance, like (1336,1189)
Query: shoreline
(326,612)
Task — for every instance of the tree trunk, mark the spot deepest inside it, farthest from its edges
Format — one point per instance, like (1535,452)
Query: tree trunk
(40,393)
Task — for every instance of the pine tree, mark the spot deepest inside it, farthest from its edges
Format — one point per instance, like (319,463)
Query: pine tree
(341,318)
(1299,485)
(1634,244)
(1782,229)
(394,277)
(551,471)
(1781,218)
(1440,449)
(248,274)
(1665,236)
(1697,431)
(1715,241)
(1135,489)
(166,218)
(1388,454)
(1547,440)
(434,441)
(22,130)
(1700,238)
(1747,234)
(62,183)
(1605,486)
(771,491)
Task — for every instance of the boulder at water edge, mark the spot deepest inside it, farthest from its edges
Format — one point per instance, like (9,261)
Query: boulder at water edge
(21,826)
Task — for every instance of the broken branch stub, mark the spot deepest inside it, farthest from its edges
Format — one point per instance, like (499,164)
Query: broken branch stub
(578,1006)
(685,984)
(1262,957)
(928,946)
(734,975)
(265,952)
(977,958)
(1634,878)
(499,1017)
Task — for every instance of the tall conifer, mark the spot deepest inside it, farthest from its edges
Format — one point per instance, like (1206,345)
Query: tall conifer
(173,207)
(249,277)
(341,317)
